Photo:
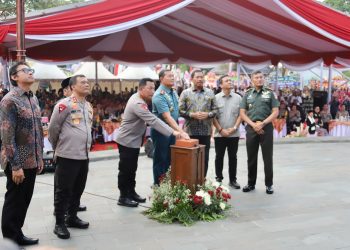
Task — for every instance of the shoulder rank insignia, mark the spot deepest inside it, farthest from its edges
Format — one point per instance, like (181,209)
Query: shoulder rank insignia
(61,107)
(248,89)
(144,106)
(162,92)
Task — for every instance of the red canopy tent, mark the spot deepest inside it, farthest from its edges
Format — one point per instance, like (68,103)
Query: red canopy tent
(137,31)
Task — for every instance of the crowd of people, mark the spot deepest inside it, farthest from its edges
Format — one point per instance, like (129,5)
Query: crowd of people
(298,107)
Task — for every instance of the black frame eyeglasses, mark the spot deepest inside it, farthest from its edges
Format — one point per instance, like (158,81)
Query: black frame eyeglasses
(26,71)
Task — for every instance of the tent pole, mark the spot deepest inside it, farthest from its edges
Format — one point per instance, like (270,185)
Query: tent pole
(96,73)
(276,83)
(321,76)
(329,83)
(245,72)
(230,66)
(20,31)
(238,75)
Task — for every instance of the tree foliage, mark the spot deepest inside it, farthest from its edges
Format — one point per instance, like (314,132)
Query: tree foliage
(342,5)
(8,7)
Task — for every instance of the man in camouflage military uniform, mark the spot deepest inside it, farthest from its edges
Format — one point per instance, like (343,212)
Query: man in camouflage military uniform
(259,107)
(70,136)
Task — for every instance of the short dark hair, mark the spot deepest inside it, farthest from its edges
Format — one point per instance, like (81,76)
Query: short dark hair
(13,71)
(143,82)
(193,73)
(73,79)
(221,78)
(162,73)
(255,73)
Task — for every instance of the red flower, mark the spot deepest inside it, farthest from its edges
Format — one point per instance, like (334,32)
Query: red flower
(226,196)
(218,192)
(211,193)
(165,204)
(197,200)
(177,201)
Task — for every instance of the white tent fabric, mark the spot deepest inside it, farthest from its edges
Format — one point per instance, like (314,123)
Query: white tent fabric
(178,31)
(256,66)
(48,71)
(137,73)
(298,67)
(343,61)
(88,69)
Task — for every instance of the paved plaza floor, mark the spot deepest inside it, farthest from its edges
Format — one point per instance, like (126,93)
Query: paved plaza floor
(309,210)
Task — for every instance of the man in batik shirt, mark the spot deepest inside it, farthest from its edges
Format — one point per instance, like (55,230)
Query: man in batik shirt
(21,151)
(198,106)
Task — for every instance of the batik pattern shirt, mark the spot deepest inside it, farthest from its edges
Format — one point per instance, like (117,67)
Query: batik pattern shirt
(21,130)
(192,101)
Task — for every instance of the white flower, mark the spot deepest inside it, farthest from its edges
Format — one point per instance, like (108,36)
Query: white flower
(201,193)
(222,205)
(216,184)
(225,189)
(207,199)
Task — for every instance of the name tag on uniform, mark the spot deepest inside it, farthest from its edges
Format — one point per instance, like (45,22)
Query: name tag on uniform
(76,117)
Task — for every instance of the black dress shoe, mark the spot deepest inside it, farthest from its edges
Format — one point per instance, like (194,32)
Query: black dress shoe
(61,231)
(137,198)
(127,202)
(82,208)
(76,222)
(26,241)
(234,185)
(248,188)
(218,179)
(269,190)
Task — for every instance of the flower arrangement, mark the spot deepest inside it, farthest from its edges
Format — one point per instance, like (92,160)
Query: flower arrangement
(171,203)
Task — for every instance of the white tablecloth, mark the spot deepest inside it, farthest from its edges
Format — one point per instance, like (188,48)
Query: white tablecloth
(280,134)
(340,130)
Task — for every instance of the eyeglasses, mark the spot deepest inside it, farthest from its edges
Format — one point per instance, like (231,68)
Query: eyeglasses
(25,70)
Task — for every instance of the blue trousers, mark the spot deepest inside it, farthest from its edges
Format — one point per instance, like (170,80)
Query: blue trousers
(161,157)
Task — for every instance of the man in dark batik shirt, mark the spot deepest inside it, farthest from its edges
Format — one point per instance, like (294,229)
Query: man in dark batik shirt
(21,151)
(198,106)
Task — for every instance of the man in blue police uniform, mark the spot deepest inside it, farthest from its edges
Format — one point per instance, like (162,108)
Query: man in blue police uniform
(259,107)
(165,106)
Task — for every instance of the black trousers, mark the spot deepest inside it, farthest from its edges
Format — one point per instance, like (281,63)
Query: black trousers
(204,140)
(253,140)
(17,200)
(221,144)
(70,181)
(128,158)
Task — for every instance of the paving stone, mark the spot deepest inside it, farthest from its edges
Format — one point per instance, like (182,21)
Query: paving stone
(310,208)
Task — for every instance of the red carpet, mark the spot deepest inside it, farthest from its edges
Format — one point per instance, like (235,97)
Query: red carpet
(106,146)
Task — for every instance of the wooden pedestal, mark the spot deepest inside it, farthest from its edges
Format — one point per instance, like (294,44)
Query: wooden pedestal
(187,165)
